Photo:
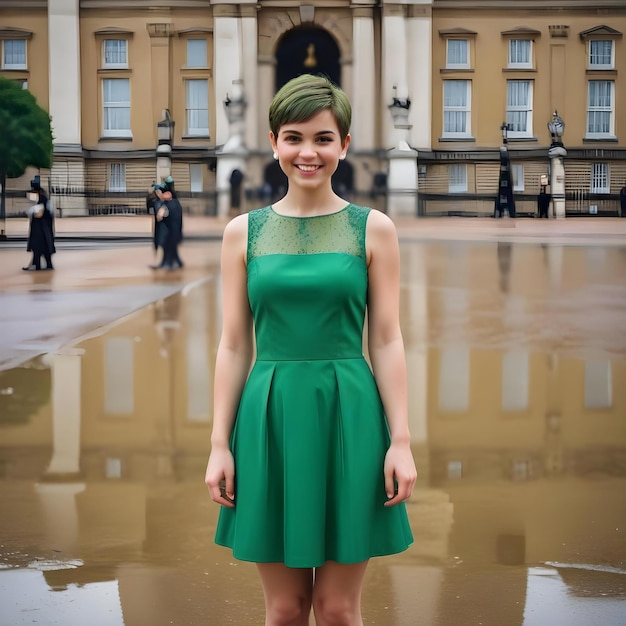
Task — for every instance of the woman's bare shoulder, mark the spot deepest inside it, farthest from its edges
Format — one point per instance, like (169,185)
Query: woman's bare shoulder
(380,225)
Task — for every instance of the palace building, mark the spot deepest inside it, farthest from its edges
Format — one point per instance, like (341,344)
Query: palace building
(140,89)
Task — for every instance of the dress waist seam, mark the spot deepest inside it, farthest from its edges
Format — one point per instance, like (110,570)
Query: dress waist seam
(304,360)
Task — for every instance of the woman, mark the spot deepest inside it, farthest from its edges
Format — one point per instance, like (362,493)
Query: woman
(310,456)
(41,232)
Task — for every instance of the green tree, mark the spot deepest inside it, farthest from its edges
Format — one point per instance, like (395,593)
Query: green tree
(25,136)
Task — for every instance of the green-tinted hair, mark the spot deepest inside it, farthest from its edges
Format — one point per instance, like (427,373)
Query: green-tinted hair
(305,96)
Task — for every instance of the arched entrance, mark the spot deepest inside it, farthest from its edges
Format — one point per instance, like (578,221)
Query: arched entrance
(306,50)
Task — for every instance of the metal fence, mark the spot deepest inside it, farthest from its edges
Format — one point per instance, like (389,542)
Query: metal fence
(578,203)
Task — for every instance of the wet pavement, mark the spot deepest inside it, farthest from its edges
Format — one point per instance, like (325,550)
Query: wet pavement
(516,346)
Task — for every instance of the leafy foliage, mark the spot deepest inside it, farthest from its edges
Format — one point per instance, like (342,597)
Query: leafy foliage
(26,137)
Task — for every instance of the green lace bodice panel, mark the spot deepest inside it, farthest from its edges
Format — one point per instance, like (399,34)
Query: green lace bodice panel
(339,232)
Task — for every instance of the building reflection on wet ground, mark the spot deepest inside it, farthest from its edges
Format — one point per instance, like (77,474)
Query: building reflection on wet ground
(517,365)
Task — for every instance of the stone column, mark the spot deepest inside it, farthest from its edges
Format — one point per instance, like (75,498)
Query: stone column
(64,105)
(419,72)
(250,74)
(227,64)
(394,63)
(363,76)
(557,180)
(402,178)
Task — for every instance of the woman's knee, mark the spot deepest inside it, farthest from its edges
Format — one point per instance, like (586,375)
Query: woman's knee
(336,609)
(288,611)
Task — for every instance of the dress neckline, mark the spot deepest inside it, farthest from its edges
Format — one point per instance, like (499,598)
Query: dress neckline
(308,217)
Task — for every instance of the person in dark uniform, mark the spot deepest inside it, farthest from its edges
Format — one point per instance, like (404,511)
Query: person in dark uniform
(41,231)
(622,200)
(543,202)
(170,214)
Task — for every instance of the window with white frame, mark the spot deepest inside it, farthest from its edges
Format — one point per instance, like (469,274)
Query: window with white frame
(197,107)
(117,177)
(520,53)
(600,109)
(601,54)
(517,174)
(195,177)
(457,178)
(600,182)
(457,108)
(115,53)
(116,107)
(457,54)
(519,108)
(13,54)
(196,53)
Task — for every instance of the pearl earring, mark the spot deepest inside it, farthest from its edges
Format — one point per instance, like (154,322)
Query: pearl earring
(275,156)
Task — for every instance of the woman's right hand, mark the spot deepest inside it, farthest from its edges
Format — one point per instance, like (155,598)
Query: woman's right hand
(220,476)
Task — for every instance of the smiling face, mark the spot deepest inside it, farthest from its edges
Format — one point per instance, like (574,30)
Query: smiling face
(309,152)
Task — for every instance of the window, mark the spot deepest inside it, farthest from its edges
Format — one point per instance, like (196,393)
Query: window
(456,108)
(519,108)
(197,107)
(117,177)
(457,54)
(600,178)
(195,176)
(196,53)
(517,174)
(13,54)
(457,178)
(601,55)
(598,385)
(116,107)
(520,53)
(115,53)
(600,109)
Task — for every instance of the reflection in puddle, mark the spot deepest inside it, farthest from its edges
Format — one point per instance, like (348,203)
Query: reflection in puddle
(517,360)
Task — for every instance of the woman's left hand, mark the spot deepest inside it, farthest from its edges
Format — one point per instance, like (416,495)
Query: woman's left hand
(400,473)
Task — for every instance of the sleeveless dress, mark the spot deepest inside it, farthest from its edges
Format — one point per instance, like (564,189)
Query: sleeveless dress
(310,435)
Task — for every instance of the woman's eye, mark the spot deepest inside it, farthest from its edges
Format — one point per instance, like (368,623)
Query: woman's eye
(292,138)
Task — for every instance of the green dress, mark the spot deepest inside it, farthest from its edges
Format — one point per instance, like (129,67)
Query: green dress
(310,436)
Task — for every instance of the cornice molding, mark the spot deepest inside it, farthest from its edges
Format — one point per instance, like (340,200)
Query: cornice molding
(6,32)
(522,5)
(600,31)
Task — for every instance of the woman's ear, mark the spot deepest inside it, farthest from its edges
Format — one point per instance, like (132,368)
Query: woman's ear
(346,144)
(273,141)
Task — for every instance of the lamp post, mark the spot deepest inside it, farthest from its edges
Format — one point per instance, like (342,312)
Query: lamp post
(504,129)
(556,152)
(505,205)
(165,136)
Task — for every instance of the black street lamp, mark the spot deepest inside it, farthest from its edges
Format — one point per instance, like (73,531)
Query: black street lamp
(505,204)
(504,129)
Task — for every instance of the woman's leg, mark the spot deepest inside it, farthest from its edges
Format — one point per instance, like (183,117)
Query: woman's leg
(287,593)
(337,594)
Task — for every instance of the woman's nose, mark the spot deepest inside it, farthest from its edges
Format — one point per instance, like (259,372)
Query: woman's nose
(307,149)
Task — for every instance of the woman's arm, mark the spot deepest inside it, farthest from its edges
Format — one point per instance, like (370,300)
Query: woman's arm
(234,356)
(386,350)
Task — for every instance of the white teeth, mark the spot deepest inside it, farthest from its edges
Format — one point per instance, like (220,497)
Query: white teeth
(308,168)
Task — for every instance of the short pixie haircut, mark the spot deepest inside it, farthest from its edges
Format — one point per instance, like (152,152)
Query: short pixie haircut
(305,96)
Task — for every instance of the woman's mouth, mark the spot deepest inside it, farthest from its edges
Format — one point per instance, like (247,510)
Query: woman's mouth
(308,168)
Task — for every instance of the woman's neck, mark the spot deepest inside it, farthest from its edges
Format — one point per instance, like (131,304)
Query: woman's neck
(301,204)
